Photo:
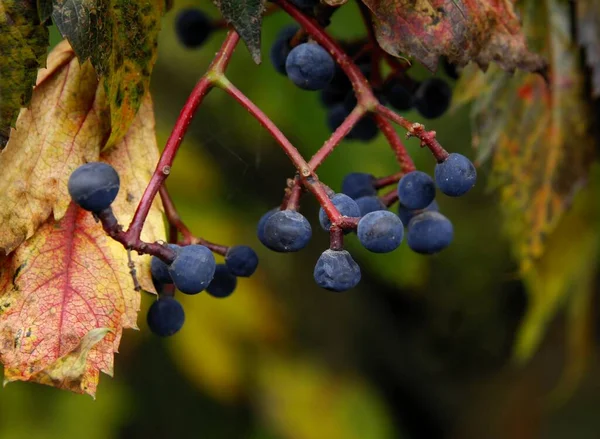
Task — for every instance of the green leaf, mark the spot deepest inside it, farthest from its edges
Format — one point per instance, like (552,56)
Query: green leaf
(588,32)
(120,38)
(23,45)
(246,17)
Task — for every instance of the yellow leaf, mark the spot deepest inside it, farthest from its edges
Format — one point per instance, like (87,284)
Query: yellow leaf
(62,129)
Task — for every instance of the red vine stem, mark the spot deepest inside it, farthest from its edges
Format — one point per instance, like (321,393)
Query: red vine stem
(402,156)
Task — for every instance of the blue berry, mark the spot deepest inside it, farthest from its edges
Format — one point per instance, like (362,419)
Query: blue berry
(407,214)
(160,270)
(241,260)
(365,129)
(416,190)
(433,98)
(193,269)
(305,4)
(450,69)
(380,231)
(399,96)
(193,27)
(336,271)
(358,184)
(223,283)
(287,231)
(369,204)
(429,232)
(456,175)
(94,186)
(346,206)
(260,228)
(165,316)
(281,47)
(309,66)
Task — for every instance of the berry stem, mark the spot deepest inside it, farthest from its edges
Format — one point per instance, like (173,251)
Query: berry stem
(389,198)
(336,238)
(402,156)
(389,180)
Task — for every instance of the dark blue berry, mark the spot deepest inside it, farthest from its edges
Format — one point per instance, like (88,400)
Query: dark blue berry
(165,316)
(416,190)
(281,47)
(456,175)
(399,96)
(287,231)
(94,186)
(450,69)
(433,98)
(193,27)
(346,206)
(309,66)
(241,260)
(305,4)
(336,271)
(369,204)
(365,129)
(160,270)
(223,283)
(193,269)
(407,214)
(260,228)
(358,184)
(380,231)
(429,232)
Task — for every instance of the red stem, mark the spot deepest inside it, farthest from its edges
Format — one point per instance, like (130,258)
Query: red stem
(402,156)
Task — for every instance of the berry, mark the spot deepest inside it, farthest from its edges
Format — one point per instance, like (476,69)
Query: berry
(369,204)
(193,27)
(287,231)
(399,96)
(380,231)
(241,260)
(456,175)
(429,232)
(359,184)
(94,186)
(336,271)
(416,190)
(346,206)
(407,214)
(365,129)
(281,47)
(223,283)
(165,316)
(305,4)
(309,66)
(450,69)
(160,270)
(260,228)
(433,97)
(193,269)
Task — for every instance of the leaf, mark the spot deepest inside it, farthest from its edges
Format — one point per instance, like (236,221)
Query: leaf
(463,30)
(588,32)
(23,44)
(246,17)
(120,38)
(62,129)
(537,134)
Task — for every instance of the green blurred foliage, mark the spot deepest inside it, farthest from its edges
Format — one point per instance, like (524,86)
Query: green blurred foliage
(421,349)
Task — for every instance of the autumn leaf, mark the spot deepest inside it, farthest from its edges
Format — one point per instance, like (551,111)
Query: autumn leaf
(481,31)
(62,129)
(588,32)
(23,45)
(120,38)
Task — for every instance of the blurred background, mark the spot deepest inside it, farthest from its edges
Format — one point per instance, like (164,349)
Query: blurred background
(423,348)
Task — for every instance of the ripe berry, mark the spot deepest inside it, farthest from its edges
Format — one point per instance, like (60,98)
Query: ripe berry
(450,69)
(281,47)
(399,96)
(365,129)
(416,190)
(305,4)
(456,175)
(94,186)
(287,231)
(336,271)
(359,184)
(165,316)
(369,204)
(346,206)
(241,260)
(429,232)
(260,228)
(223,283)
(193,269)
(433,97)
(337,89)
(407,214)
(309,66)
(193,27)
(380,231)
(160,270)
